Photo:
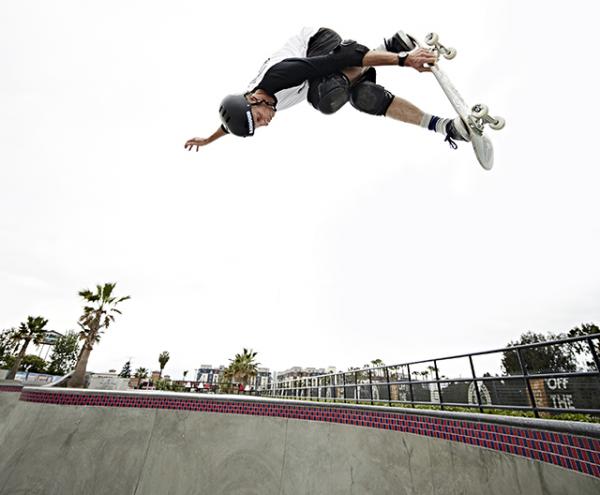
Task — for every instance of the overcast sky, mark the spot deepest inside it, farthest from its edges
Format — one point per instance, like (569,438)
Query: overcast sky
(323,240)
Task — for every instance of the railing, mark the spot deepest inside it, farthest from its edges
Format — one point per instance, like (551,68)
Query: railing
(549,377)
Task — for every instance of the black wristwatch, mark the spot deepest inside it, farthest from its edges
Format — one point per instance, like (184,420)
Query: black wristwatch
(402,56)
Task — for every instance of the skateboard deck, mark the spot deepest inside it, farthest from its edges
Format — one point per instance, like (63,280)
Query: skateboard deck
(474,117)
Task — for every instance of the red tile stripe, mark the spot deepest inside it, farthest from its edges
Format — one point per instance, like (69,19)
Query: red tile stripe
(572,452)
(11,388)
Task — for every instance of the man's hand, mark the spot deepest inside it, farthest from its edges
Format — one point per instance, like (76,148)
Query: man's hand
(197,142)
(421,59)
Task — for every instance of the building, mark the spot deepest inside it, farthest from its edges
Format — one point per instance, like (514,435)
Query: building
(298,372)
(208,377)
(262,379)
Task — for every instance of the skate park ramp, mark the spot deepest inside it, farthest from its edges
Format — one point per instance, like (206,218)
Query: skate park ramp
(10,392)
(66,441)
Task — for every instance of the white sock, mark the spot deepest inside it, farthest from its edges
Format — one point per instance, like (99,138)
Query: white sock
(440,125)
(434,123)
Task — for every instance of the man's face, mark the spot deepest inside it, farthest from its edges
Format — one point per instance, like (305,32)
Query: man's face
(262,112)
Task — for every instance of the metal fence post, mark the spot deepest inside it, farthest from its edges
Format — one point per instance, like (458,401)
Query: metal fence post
(410,387)
(344,380)
(475,383)
(525,374)
(371,385)
(389,389)
(356,387)
(437,381)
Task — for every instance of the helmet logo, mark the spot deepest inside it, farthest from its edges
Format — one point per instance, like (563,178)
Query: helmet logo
(250,122)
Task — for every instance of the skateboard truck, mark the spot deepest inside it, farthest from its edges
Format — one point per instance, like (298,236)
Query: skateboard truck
(479,115)
(432,39)
(480,112)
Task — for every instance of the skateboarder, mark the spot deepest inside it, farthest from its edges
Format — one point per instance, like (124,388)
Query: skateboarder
(319,66)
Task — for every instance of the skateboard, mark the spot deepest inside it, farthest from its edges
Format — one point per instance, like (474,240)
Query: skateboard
(475,117)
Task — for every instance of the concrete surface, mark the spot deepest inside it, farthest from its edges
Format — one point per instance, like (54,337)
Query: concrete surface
(54,449)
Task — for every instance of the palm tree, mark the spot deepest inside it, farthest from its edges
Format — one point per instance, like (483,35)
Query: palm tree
(242,367)
(32,330)
(431,371)
(163,359)
(98,314)
(140,374)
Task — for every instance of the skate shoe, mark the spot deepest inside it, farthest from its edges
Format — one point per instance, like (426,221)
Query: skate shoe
(400,42)
(456,130)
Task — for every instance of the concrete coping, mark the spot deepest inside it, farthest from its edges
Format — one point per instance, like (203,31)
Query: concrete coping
(561,426)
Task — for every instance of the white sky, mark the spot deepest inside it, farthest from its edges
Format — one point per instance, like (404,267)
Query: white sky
(323,240)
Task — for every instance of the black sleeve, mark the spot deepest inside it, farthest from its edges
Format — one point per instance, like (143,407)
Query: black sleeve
(294,71)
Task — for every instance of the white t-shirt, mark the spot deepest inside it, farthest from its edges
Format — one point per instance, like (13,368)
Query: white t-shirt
(296,46)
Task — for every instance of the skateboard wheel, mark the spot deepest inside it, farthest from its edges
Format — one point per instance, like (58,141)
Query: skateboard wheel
(431,39)
(450,53)
(479,111)
(499,124)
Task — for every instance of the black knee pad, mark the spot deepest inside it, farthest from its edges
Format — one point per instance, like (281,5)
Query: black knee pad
(371,98)
(329,93)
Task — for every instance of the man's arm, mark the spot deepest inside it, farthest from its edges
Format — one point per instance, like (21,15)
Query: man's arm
(197,142)
(420,59)
(294,71)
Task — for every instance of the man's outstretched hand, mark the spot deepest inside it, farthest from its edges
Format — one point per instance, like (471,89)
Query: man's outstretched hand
(421,59)
(197,142)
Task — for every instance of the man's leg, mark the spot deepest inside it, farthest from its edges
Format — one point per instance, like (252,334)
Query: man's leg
(405,111)
(369,97)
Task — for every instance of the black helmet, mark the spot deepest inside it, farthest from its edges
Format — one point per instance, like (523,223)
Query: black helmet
(236,115)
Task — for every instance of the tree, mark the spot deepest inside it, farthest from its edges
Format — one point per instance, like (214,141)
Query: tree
(126,371)
(9,362)
(582,347)
(242,367)
(64,354)
(169,386)
(539,359)
(8,345)
(431,372)
(98,314)
(31,330)
(141,374)
(376,363)
(33,364)
(163,359)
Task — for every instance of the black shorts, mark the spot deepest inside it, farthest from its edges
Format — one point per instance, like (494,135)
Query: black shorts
(323,42)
